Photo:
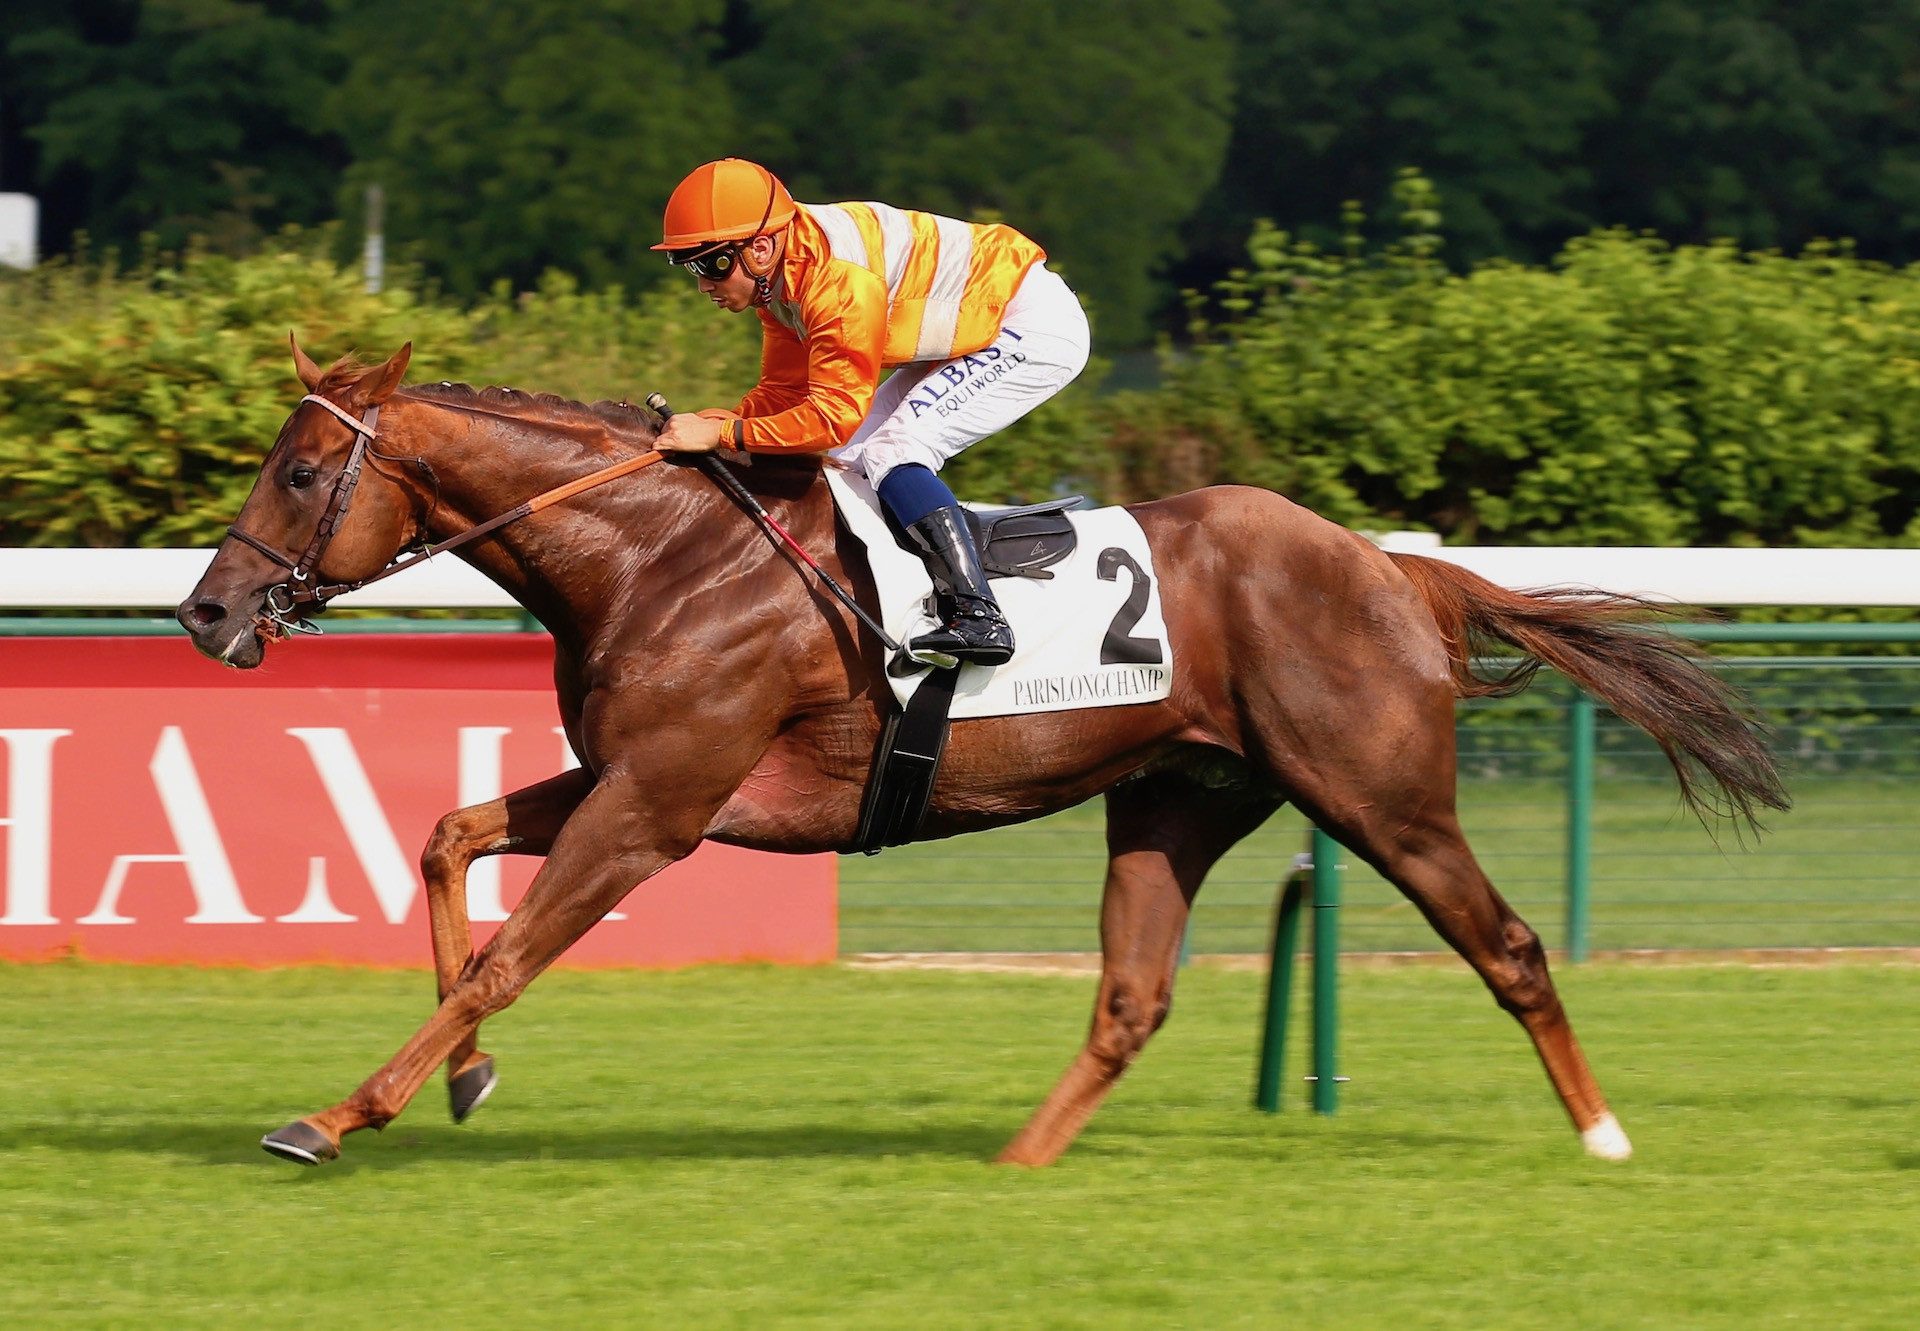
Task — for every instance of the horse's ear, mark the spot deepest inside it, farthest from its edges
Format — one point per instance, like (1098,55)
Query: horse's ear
(303,364)
(380,383)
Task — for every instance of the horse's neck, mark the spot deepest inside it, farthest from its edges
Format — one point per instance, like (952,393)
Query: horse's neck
(566,562)
(583,565)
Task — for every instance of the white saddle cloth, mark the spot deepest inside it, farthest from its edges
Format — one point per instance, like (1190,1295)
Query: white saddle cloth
(1090,636)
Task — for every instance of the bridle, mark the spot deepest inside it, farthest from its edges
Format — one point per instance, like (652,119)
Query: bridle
(283,598)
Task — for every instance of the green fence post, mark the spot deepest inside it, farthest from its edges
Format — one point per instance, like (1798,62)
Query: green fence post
(1273,1042)
(1582,721)
(1326,963)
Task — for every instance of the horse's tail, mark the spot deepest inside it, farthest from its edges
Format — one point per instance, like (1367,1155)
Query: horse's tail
(1601,643)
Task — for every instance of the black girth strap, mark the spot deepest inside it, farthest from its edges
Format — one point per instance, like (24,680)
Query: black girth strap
(904,766)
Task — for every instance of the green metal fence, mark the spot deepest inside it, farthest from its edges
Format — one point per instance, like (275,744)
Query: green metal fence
(1573,813)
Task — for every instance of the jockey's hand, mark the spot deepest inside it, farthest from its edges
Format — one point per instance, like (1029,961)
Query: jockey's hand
(689,433)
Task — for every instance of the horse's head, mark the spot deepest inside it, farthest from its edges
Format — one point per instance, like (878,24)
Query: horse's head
(317,515)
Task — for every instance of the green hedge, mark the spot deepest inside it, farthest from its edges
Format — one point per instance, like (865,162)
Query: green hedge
(135,410)
(135,406)
(1630,393)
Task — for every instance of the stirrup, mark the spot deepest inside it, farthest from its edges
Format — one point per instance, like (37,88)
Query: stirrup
(976,632)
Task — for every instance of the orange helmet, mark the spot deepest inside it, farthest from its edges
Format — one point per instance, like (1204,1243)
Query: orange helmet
(726,200)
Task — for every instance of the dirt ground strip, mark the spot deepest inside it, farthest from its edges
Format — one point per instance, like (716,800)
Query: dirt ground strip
(1088,963)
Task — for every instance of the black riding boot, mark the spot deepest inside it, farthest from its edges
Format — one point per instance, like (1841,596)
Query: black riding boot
(975,631)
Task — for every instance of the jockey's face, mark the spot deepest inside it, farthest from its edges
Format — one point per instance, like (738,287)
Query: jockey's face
(734,292)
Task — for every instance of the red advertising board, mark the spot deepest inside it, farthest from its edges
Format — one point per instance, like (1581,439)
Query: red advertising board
(157,807)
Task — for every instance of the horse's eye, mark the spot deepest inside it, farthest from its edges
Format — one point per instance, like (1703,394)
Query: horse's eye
(300,478)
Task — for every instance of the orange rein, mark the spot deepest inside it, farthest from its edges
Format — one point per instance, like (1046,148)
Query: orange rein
(533,505)
(572,488)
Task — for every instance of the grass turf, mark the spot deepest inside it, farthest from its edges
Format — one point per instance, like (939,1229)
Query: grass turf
(751,1147)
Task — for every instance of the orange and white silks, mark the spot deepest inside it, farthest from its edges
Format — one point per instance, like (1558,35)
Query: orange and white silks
(865,286)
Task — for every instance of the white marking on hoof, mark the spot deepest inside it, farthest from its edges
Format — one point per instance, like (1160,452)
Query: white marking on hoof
(1605,1140)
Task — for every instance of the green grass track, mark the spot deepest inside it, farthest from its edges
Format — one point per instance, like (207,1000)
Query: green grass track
(807,1148)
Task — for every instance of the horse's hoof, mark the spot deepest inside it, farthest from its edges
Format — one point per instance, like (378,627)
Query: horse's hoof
(301,1143)
(470,1089)
(1606,1140)
(1025,1154)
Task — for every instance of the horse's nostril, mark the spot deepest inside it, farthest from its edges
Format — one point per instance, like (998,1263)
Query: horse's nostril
(205,614)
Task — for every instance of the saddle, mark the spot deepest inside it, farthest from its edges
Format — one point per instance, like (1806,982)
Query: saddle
(1022,542)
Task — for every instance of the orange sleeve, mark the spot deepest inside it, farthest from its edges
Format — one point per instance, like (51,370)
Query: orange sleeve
(845,315)
(783,371)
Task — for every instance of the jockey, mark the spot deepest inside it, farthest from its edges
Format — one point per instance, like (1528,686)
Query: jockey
(977,331)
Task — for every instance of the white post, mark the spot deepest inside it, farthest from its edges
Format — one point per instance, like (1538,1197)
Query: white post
(374,258)
(19,230)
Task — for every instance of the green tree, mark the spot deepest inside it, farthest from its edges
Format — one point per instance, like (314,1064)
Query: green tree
(1764,122)
(1093,128)
(1492,101)
(175,117)
(511,138)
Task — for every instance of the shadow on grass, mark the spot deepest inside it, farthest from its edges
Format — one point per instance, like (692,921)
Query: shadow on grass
(232,1143)
(1289,1131)
(236,1144)
(1878,1102)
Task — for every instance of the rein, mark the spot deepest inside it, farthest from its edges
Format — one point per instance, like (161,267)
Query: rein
(283,598)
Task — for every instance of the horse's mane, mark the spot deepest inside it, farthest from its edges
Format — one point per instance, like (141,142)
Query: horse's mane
(626,418)
(623,416)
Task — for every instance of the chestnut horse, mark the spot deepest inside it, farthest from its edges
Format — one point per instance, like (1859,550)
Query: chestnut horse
(711,691)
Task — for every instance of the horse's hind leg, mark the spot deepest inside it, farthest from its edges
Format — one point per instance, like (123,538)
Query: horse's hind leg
(1164,833)
(1413,837)
(1438,872)
(523,823)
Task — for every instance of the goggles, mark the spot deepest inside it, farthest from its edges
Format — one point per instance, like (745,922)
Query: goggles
(713,262)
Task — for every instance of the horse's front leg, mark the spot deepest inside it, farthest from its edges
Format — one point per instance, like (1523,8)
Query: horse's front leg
(613,841)
(522,823)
